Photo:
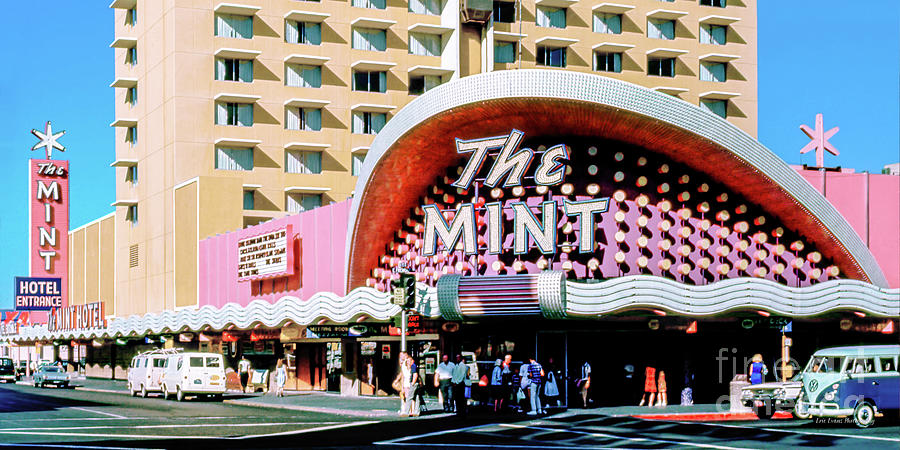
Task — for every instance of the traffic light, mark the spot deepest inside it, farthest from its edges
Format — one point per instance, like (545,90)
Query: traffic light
(403,290)
(408,282)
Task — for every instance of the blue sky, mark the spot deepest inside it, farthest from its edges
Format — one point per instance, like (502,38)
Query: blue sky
(812,59)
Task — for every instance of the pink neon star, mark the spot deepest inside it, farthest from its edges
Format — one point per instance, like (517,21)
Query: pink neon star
(819,141)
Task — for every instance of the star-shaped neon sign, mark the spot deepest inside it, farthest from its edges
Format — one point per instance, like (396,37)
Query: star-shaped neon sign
(48,140)
(819,141)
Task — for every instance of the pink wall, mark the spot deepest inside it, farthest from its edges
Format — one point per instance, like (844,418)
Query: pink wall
(879,210)
(321,232)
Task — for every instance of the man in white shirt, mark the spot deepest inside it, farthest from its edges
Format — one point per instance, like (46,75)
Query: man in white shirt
(244,371)
(458,381)
(443,374)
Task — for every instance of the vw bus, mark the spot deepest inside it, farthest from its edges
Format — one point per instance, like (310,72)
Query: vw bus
(194,373)
(146,371)
(860,382)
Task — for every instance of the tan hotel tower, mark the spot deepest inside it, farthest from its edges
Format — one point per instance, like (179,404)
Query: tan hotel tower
(232,113)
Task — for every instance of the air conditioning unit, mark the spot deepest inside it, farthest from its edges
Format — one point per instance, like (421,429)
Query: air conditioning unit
(477,11)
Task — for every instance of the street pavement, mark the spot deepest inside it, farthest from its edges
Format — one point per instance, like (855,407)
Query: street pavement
(100,414)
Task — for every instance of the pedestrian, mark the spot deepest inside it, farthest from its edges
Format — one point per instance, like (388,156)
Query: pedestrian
(401,382)
(411,387)
(458,382)
(280,378)
(443,374)
(550,390)
(584,383)
(535,375)
(649,386)
(758,369)
(497,388)
(507,376)
(244,370)
(661,387)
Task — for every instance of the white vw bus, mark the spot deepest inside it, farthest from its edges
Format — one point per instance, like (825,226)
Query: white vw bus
(861,382)
(146,371)
(193,373)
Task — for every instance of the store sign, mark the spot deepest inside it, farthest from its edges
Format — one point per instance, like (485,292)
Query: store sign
(263,335)
(49,224)
(268,255)
(185,337)
(334,331)
(510,166)
(37,294)
(9,328)
(77,318)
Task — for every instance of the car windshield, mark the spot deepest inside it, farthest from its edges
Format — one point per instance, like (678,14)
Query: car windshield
(6,363)
(51,369)
(825,364)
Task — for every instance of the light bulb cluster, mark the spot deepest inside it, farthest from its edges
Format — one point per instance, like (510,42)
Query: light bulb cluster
(663,219)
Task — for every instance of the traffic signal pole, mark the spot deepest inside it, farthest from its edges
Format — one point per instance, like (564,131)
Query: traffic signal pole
(403,313)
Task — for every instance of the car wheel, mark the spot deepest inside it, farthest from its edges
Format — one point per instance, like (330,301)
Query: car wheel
(143,391)
(864,415)
(179,395)
(65,385)
(764,411)
(801,409)
(217,397)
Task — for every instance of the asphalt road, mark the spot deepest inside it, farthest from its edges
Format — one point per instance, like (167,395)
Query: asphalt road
(76,419)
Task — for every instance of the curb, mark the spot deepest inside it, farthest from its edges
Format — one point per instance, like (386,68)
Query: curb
(709,417)
(343,412)
(105,391)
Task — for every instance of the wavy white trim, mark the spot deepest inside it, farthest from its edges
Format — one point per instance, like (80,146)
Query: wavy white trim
(646,291)
(323,305)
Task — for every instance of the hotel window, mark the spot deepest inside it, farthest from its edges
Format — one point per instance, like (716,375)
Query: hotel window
(371,4)
(131,215)
(608,62)
(131,174)
(131,16)
(357,163)
(228,69)
(309,33)
(661,67)
(303,76)
(234,158)
(550,17)
(716,3)
(370,81)
(504,12)
(429,7)
(131,95)
(249,200)
(231,26)
(304,119)
(131,55)
(422,84)
(608,23)
(504,52)
(131,135)
(369,39)
(661,29)
(424,44)
(551,56)
(713,34)
(303,202)
(309,163)
(717,107)
(712,72)
(235,114)
(368,122)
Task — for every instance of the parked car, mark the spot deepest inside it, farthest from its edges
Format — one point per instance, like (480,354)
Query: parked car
(7,370)
(861,382)
(192,373)
(766,398)
(50,374)
(146,372)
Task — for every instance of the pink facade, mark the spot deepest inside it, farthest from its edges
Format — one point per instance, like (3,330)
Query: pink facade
(317,240)
(871,205)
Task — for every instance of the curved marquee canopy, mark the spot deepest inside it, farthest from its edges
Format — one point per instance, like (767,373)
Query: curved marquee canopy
(418,144)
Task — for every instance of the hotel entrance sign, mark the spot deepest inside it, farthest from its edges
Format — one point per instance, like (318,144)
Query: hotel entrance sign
(49,217)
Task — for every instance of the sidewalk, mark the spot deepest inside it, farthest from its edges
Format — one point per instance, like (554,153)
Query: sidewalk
(692,413)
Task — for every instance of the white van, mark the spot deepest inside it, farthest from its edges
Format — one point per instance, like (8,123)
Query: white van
(146,371)
(192,373)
